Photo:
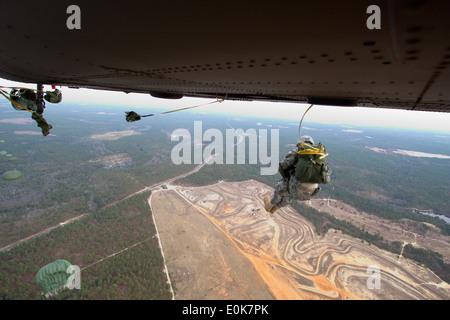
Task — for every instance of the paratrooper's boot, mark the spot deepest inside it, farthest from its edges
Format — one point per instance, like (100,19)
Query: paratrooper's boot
(267,204)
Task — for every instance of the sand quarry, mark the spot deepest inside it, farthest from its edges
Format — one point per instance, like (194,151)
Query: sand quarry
(219,243)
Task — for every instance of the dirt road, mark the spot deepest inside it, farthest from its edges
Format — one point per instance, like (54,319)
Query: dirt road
(152,187)
(196,224)
(12,245)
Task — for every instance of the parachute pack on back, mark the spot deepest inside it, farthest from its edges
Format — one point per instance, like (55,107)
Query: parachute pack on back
(311,167)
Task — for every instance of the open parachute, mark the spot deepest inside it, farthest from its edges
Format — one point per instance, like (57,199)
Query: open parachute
(11,175)
(52,278)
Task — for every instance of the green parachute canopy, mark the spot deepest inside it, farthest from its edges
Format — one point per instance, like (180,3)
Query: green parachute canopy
(11,175)
(53,277)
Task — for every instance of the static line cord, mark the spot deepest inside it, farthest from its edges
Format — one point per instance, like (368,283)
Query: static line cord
(186,108)
(5,94)
(176,110)
(300,126)
(305,148)
(115,253)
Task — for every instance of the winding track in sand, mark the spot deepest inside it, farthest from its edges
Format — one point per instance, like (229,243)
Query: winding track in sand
(283,249)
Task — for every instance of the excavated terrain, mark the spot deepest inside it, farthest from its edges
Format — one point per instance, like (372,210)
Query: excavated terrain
(220,243)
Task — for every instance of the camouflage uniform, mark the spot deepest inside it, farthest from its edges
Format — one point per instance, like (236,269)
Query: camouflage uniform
(290,188)
(26,98)
(33,102)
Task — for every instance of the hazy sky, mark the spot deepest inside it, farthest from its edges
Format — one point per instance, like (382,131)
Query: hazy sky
(356,116)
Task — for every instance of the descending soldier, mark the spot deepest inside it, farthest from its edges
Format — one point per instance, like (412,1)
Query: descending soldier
(302,170)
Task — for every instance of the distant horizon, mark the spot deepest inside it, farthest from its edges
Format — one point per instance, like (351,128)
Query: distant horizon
(352,116)
(265,118)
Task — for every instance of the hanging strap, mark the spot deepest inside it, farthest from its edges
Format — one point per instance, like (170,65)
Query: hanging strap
(300,125)
(133,116)
(306,148)
(6,95)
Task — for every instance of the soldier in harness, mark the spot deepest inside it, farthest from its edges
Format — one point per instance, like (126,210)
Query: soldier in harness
(33,101)
(302,169)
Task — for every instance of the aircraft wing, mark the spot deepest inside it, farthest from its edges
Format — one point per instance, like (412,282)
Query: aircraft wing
(320,52)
